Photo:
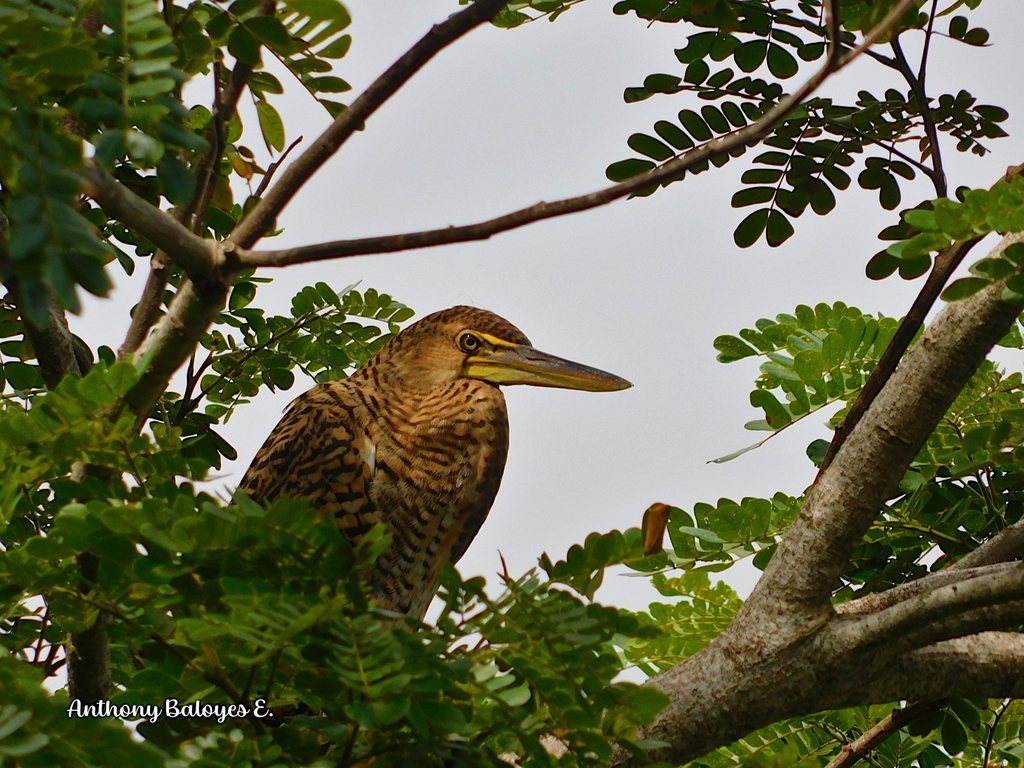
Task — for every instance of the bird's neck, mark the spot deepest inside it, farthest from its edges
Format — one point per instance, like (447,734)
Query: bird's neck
(402,396)
(414,383)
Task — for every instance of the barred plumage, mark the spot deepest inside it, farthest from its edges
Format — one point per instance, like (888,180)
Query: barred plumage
(417,438)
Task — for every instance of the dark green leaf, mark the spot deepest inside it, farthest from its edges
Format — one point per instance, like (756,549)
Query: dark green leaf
(781,62)
(673,134)
(243,46)
(695,125)
(697,72)
(954,737)
(752,196)
(715,119)
(271,32)
(976,36)
(751,228)
(749,56)
(778,229)
(627,169)
(650,146)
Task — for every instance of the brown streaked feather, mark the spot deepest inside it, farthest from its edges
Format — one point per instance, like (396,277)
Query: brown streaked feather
(318,452)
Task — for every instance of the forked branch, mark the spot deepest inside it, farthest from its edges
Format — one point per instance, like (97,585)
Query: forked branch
(260,219)
(750,134)
(199,258)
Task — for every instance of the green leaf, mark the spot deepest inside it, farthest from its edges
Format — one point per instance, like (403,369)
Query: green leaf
(671,133)
(627,169)
(697,72)
(731,349)
(781,62)
(243,46)
(242,295)
(750,229)
(752,196)
(176,179)
(328,84)
(695,125)
(954,737)
(515,697)
(271,125)
(964,287)
(750,55)
(271,32)
(650,146)
(778,229)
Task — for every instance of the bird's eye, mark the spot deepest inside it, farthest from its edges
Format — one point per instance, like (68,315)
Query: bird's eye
(469,342)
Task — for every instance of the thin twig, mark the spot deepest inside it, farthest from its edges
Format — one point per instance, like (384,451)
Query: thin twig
(946,263)
(148,308)
(992,732)
(224,105)
(937,174)
(42,630)
(272,169)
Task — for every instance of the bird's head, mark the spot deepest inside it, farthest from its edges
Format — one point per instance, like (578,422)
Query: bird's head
(466,342)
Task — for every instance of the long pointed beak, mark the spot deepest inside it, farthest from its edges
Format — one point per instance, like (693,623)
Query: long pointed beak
(520,364)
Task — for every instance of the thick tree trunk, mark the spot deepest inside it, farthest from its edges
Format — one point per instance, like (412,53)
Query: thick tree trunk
(88,652)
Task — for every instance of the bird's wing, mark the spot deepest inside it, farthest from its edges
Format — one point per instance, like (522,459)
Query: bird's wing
(318,452)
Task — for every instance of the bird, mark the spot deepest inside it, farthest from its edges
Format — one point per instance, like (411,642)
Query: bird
(417,438)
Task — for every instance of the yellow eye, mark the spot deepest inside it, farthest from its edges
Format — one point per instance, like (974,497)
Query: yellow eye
(469,342)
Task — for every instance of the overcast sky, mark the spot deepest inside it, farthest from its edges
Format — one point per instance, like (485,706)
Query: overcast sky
(503,119)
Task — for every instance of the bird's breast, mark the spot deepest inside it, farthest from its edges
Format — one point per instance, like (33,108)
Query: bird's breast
(438,464)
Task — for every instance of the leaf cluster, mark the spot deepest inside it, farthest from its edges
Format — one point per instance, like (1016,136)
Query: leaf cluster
(809,150)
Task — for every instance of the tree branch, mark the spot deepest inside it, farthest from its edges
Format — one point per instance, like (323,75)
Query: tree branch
(1006,545)
(846,497)
(148,308)
(901,621)
(260,219)
(879,601)
(986,665)
(750,134)
(55,346)
(198,257)
(882,730)
(88,652)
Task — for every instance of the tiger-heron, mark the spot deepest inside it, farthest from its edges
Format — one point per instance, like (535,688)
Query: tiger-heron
(417,438)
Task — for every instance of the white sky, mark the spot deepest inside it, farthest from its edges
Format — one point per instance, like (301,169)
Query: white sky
(503,119)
